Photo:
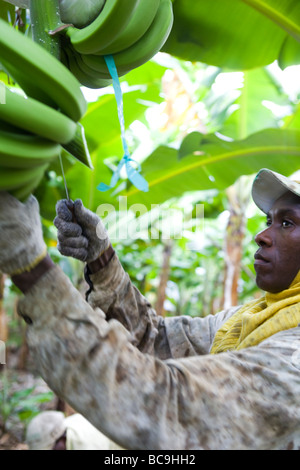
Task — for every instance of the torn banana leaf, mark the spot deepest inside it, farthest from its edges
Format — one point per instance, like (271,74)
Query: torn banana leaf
(78,147)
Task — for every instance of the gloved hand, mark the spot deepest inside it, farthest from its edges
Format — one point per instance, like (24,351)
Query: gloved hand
(81,233)
(22,245)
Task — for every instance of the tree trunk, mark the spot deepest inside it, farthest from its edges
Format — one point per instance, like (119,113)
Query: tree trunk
(238,198)
(234,249)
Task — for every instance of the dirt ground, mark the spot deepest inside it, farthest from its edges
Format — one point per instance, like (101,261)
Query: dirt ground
(10,442)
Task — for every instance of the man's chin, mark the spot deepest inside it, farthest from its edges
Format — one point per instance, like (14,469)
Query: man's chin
(269,286)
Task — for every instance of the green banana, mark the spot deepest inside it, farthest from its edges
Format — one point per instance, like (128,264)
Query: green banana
(152,41)
(36,117)
(77,147)
(5,126)
(91,72)
(26,151)
(96,64)
(27,84)
(25,190)
(72,11)
(51,77)
(139,23)
(85,79)
(14,179)
(112,20)
(144,49)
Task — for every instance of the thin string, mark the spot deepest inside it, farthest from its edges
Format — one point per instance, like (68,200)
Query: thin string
(133,173)
(64,176)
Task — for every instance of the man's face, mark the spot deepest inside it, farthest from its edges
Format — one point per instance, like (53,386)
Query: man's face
(277,260)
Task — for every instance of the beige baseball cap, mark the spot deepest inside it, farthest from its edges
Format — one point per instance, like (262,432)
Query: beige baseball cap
(268,186)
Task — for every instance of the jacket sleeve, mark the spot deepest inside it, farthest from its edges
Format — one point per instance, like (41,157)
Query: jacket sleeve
(240,400)
(113,292)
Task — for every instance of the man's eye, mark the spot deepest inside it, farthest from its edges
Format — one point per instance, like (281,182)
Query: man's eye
(286,223)
(268,223)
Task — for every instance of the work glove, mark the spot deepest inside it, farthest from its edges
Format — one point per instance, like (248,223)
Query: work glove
(22,246)
(81,234)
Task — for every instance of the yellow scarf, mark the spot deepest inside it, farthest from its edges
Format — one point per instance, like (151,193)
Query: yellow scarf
(260,319)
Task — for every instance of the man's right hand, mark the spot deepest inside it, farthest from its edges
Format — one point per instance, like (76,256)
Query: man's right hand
(81,233)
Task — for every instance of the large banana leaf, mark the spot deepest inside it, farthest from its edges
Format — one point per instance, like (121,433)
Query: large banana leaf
(206,162)
(290,53)
(250,113)
(238,34)
(284,13)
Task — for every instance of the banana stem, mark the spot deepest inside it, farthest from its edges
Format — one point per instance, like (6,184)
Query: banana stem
(45,17)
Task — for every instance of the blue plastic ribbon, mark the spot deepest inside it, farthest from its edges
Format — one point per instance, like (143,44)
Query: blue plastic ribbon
(133,173)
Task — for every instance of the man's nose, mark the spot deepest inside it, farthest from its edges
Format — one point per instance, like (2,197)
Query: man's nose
(264,238)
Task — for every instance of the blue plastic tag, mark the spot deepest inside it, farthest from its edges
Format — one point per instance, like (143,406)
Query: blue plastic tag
(133,174)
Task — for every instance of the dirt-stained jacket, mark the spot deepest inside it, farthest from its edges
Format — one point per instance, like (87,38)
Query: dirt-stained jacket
(149,382)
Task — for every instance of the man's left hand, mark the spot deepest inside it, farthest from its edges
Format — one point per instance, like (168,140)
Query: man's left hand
(22,245)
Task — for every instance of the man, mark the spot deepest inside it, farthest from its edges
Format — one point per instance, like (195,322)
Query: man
(228,381)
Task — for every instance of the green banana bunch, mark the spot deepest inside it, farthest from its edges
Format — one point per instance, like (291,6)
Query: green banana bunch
(37,66)
(35,128)
(133,31)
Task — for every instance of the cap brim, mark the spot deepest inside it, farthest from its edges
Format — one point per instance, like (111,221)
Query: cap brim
(269,186)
